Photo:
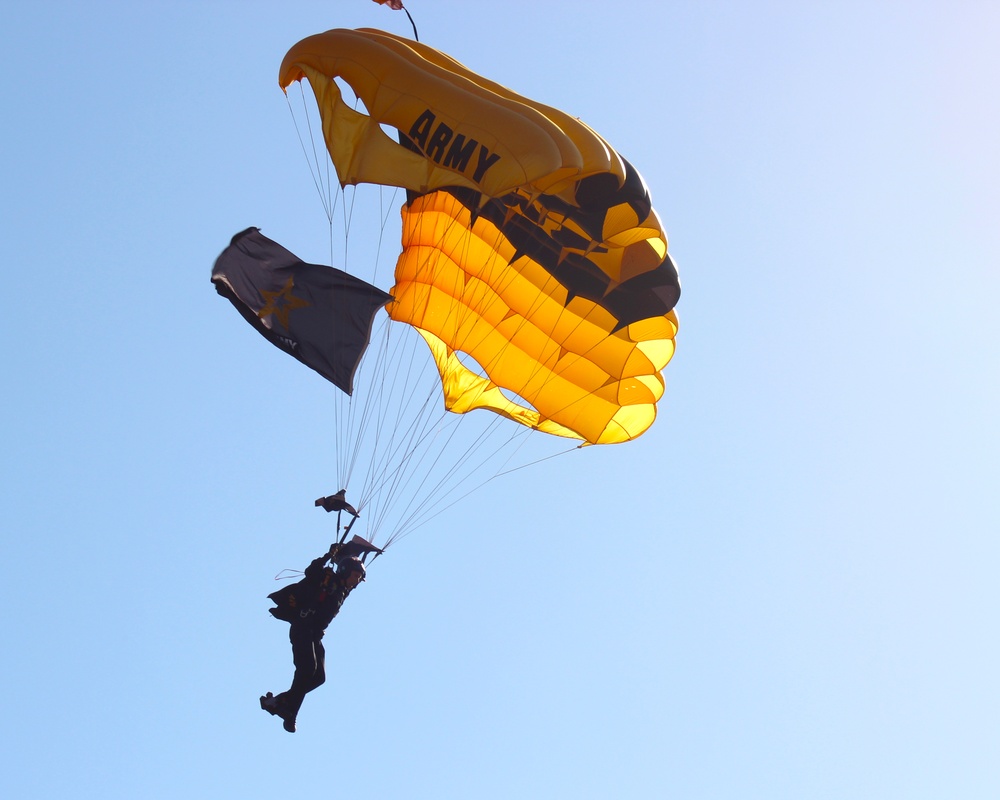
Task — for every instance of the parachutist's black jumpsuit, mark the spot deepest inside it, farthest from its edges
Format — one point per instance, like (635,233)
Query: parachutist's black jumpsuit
(320,596)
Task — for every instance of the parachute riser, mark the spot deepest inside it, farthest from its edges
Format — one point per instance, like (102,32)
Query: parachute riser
(347,529)
(357,547)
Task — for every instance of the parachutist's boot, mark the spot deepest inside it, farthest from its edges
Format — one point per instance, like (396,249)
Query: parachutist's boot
(288,709)
(269,703)
(275,707)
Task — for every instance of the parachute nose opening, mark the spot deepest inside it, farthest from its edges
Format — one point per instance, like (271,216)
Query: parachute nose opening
(476,369)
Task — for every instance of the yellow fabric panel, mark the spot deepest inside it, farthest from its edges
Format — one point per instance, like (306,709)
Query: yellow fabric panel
(581,379)
(360,150)
(399,81)
(591,152)
(628,418)
(437,225)
(538,148)
(465,391)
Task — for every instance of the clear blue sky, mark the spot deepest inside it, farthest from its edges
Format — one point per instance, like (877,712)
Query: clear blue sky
(786,589)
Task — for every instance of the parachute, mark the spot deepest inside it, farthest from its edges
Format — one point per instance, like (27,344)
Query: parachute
(529,244)
(533,265)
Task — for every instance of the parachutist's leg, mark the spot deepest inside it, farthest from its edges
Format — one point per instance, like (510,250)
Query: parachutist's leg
(310,667)
(309,658)
(319,676)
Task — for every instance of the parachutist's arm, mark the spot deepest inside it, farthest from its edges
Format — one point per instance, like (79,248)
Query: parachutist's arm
(316,565)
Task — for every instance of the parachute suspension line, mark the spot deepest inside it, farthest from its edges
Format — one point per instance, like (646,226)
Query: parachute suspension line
(434,505)
(364,409)
(414,463)
(539,460)
(405,421)
(410,512)
(330,194)
(337,403)
(353,416)
(403,441)
(335,196)
(349,215)
(432,501)
(325,195)
(408,383)
(385,406)
(347,210)
(418,434)
(412,425)
(370,408)
(347,426)
(473,489)
(395,490)
(341,402)
(431,496)
(385,209)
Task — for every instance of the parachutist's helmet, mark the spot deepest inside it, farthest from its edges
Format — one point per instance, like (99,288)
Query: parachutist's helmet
(348,566)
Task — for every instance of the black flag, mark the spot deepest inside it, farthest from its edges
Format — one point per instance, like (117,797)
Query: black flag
(318,314)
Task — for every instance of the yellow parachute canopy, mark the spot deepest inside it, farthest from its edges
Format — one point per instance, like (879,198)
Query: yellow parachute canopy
(530,247)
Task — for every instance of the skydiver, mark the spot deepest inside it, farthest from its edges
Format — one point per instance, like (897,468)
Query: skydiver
(309,606)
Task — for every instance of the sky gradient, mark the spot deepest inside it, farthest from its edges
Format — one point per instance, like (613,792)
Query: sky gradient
(785,589)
